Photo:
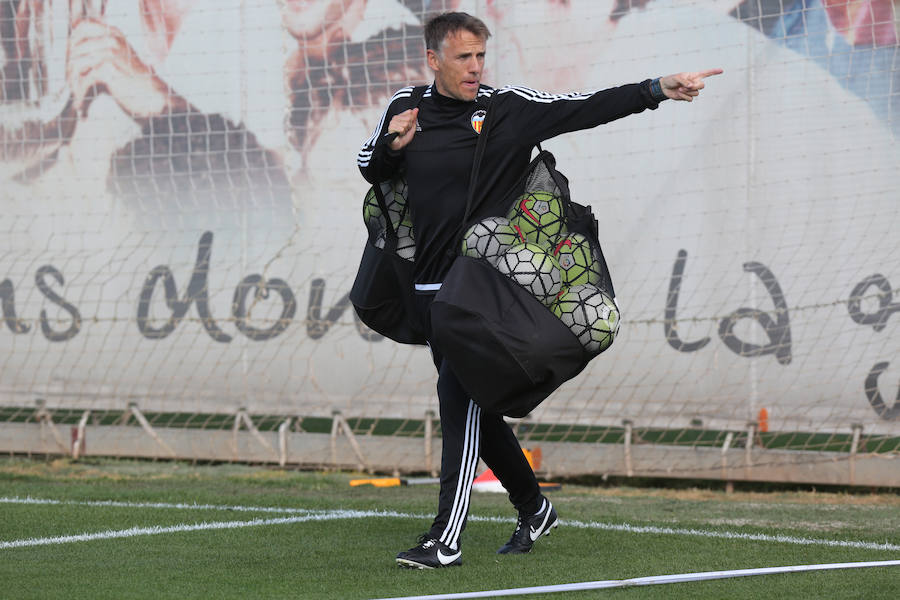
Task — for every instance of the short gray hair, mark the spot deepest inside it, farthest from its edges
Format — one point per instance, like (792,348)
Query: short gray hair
(438,28)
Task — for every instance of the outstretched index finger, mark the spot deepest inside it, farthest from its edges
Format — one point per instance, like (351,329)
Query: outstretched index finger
(710,73)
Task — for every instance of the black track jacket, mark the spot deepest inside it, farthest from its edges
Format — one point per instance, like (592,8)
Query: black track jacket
(438,161)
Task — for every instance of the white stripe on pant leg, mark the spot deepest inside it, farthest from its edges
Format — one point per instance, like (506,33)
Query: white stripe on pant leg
(471,438)
(468,464)
(469,479)
(460,477)
(445,535)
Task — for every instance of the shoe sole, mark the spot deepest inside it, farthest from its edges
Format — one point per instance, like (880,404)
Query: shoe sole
(552,525)
(411,564)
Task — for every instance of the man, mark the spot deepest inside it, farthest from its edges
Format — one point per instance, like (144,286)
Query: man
(433,145)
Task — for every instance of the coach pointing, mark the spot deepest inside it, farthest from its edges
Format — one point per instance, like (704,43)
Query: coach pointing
(433,145)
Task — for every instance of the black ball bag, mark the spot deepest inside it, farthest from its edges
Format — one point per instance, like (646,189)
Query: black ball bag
(383,294)
(507,349)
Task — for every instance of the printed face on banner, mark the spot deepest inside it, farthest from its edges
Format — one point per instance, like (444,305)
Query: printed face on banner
(311,19)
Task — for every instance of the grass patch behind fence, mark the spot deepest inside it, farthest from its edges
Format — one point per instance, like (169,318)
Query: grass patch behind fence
(527,431)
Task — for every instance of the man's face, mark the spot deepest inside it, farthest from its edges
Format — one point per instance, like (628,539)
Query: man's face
(458,65)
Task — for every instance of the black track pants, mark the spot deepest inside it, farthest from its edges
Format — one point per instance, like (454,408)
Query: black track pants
(467,434)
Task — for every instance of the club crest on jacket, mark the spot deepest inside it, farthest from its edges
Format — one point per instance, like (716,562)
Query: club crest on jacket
(478,119)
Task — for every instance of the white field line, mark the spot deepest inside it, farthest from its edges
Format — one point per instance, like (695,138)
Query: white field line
(651,580)
(164,505)
(303,515)
(157,530)
(732,535)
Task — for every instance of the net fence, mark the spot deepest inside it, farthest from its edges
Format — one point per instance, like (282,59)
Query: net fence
(181,223)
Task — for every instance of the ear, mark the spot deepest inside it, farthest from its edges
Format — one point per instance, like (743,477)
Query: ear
(434,61)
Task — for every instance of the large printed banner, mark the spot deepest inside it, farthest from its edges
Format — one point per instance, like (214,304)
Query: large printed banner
(181,209)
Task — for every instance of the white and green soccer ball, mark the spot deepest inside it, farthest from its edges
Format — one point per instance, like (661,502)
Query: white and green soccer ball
(539,215)
(578,261)
(591,314)
(372,213)
(532,267)
(406,241)
(490,238)
(395,194)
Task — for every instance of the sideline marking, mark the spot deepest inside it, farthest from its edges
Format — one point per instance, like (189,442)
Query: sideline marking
(164,505)
(733,535)
(157,529)
(309,515)
(652,580)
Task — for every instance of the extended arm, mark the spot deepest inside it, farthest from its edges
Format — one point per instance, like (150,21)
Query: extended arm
(541,116)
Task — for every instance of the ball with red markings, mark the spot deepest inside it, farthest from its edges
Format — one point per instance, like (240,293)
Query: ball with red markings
(579,262)
(539,215)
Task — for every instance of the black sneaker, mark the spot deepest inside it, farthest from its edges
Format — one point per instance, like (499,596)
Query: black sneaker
(429,554)
(530,528)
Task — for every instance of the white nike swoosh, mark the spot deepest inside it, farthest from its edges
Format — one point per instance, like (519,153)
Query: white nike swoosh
(446,560)
(534,535)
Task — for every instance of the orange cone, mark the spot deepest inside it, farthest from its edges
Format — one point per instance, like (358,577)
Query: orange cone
(763,420)
(488,482)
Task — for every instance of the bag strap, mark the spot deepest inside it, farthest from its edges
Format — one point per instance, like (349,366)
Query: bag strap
(583,213)
(476,163)
(391,234)
(415,97)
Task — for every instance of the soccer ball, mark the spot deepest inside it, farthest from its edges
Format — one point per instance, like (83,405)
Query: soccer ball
(533,268)
(578,263)
(539,215)
(489,238)
(372,215)
(395,197)
(406,242)
(591,314)
(398,207)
